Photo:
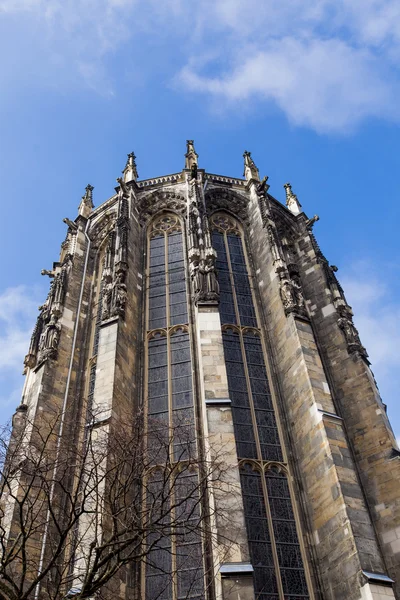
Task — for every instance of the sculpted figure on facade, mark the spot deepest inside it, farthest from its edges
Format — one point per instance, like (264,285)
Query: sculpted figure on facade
(119,294)
(46,334)
(212,285)
(195,277)
(106,299)
(30,358)
(48,343)
(287,295)
(345,322)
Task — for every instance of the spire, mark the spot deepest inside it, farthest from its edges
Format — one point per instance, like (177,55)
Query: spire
(86,204)
(291,200)
(130,172)
(250,169)
(191,156)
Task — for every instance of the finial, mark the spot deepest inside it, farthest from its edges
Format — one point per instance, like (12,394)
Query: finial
(250,169)
(130,172)
(191,155)
(86,205)
(291,200)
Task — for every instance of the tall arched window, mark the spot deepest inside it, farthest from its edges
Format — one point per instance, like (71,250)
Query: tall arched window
(270,521)
(174,566)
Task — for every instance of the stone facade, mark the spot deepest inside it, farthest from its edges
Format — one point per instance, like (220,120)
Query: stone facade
(87,357)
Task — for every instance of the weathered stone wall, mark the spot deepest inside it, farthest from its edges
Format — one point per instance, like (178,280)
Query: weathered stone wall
(229,540)
(337,525)
(359,404)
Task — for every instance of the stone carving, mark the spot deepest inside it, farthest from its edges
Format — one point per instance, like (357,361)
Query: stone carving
(250,169)
(191,157)
(46,334)
(193,171)
(202,257)
(292,294)
(49,338)
(345,322)
(106,300)
(292,201)
(119,294)
(220,199)
(345,313)
(290,283)
(86,205)
(153,203)
(130,172)
(115,290)
(311,222)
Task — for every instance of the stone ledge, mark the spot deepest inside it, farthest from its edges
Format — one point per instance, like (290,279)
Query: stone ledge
(232,569)
(218,401)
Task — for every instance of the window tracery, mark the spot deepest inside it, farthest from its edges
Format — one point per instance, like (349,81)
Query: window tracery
(270,521)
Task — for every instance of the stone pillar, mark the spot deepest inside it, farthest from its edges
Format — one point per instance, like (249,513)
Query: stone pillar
(232,570)
(358,402)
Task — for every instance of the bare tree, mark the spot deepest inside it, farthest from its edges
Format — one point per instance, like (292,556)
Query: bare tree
(89,519)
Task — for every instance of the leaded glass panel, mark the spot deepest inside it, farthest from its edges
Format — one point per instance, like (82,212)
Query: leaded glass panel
(171,433)
(260,547)
(285,532)
(176,280)
(275,554)
(226,305)
(157,292)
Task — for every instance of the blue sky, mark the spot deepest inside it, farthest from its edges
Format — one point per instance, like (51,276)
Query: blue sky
(310,87)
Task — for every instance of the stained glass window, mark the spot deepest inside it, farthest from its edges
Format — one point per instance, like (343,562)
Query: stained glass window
(270,521)
(175,565)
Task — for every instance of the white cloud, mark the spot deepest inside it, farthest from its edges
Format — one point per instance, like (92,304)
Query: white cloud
(323,84)
(327,64)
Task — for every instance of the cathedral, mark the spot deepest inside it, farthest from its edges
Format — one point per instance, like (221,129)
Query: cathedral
(202,308)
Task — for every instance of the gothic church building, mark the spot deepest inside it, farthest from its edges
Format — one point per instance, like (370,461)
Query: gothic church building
(200,299)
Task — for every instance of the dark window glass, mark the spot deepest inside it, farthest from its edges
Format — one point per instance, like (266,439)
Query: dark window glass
(287,542)
(227,307)
(171,422)
(176,280)
(252,406)
(157,298)
(265,585)
(241,281)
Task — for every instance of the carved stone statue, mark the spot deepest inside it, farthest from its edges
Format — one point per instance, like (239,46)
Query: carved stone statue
(287,295)
(48,343)
(193,171)
(212,286)
(106,300)
(350,332)
(119,294)
(297,292)
(30,358)
(196,277)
